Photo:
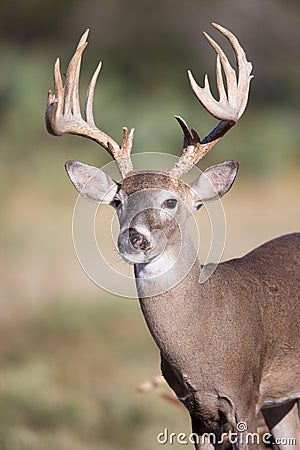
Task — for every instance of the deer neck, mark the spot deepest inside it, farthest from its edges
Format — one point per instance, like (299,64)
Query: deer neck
(170,313)
(161,276)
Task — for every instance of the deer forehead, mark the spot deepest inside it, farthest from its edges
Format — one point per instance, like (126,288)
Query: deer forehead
(154,181)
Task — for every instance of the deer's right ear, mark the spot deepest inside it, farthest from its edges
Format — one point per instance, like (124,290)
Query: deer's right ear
(91,182)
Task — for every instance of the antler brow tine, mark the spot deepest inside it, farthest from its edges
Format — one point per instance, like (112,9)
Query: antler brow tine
(63,115)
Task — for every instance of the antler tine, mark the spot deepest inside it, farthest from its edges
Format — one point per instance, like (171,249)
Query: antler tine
(88,106)
(71,94)
(231,106)
(228,109)
(63,115)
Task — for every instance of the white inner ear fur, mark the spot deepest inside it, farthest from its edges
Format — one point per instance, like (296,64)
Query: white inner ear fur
(91,182)
(215,181)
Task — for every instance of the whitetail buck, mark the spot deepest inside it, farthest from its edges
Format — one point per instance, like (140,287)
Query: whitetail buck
(230,347)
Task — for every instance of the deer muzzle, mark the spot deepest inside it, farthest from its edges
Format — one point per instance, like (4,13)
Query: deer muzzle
(138,248)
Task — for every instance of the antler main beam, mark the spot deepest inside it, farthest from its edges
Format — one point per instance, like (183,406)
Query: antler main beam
(63,115)
(228,109)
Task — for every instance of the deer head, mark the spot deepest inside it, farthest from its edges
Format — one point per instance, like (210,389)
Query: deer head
(152,207)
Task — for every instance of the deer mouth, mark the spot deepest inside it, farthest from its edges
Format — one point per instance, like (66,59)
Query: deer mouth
(134,256)
(139,257)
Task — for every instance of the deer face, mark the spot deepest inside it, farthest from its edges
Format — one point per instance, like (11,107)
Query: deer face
(152,207)
(152,211)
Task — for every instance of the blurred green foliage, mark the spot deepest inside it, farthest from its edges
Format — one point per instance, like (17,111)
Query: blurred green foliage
(146,48)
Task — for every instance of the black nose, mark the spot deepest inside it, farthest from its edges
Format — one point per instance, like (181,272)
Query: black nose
(138,240)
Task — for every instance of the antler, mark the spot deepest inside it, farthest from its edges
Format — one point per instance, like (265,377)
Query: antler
(63,114)
(228,108)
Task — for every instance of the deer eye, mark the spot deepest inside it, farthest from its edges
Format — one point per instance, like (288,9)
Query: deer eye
(115,203)
(170,203)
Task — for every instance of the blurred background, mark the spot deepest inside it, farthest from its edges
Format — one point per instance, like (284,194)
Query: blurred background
(72,355)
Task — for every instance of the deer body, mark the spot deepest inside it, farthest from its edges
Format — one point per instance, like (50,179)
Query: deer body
(239,328)
(229,346)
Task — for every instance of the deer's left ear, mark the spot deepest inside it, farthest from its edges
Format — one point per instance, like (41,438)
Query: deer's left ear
(214,182)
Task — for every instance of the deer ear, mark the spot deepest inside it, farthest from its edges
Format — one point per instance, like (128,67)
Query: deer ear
(91,182)
(214,182)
